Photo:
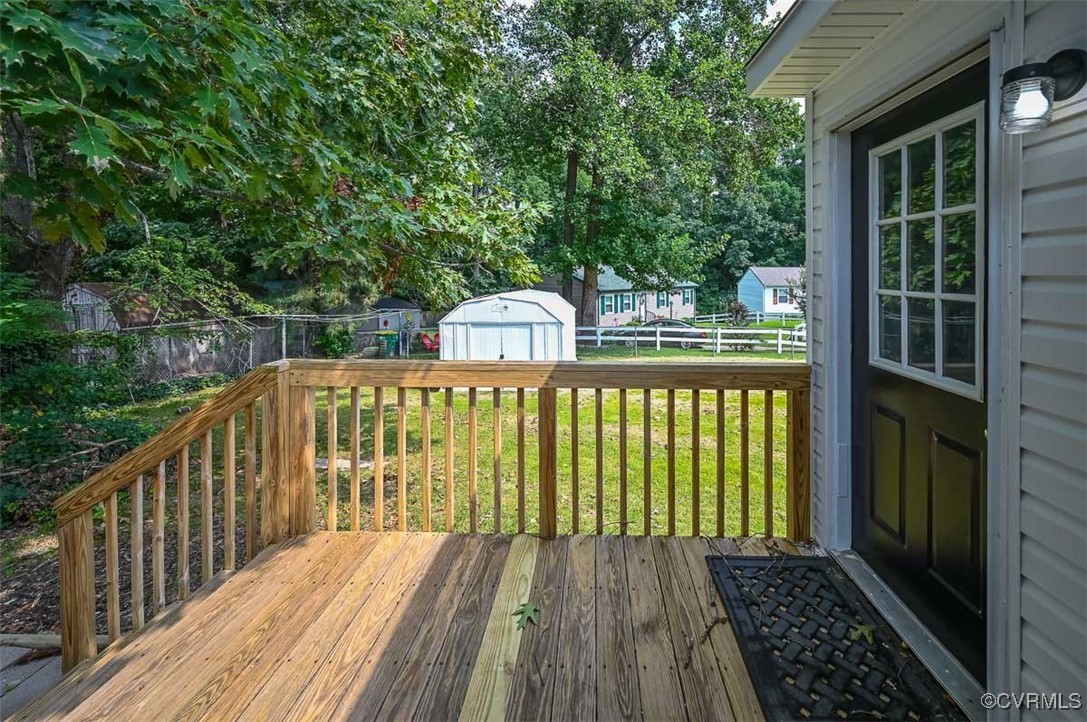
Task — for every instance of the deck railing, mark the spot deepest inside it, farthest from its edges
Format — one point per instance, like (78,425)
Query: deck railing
(571,424)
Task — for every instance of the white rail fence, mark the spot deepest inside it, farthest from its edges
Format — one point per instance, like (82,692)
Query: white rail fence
(717,340)
(754,317)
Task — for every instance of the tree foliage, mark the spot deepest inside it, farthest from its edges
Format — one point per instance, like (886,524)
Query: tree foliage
(630,118)
(334,133)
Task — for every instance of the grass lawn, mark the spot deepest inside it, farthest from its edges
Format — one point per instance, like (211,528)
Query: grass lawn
(587,506)
(162,412)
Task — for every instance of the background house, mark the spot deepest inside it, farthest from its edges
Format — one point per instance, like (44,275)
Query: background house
(620,302)
(765,289)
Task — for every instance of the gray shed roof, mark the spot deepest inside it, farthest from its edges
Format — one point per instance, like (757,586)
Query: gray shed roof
(776,276)
(609,280)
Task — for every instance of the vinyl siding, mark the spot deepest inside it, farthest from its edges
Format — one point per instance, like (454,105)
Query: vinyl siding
(1052,584)
(750,292)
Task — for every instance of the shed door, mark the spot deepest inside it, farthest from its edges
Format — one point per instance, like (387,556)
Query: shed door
(918,190)
(501,342)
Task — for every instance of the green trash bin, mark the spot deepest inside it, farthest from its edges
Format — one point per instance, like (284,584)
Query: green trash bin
(388,347)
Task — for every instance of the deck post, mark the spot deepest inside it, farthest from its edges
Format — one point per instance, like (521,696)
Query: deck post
(798,486)
(76,543)
(302,467)
(274,499)
(548,447)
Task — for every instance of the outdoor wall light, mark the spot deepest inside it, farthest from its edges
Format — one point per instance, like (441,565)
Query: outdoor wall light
(1029,91)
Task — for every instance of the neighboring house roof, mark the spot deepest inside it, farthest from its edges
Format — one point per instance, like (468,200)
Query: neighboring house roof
(392,303)
(776,276)
(609,281)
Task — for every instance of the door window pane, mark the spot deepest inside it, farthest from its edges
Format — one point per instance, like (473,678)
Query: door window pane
(960,161)
(921,344)
(890,257)
(924,257)
(960,253)
(921,160)
(890,185)
(960,324)
(890,328)
(921,260)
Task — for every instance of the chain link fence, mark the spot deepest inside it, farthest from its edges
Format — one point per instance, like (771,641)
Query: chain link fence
(168,352)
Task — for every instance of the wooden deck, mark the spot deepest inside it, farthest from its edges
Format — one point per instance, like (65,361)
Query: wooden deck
(419,625)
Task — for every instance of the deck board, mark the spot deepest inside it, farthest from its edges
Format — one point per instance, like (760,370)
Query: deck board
(532,686)
(418,626)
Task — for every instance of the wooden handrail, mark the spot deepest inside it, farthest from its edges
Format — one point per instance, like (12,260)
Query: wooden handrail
(166,443)
(75,511)
(773,375)
(286,392)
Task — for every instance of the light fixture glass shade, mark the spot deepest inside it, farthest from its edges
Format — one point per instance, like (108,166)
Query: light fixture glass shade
(1026,105)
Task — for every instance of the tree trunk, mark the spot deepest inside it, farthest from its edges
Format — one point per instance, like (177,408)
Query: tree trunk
(590,304)
(568,221)
(50,261)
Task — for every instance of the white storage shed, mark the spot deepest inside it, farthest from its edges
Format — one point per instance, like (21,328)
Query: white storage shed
(514,326)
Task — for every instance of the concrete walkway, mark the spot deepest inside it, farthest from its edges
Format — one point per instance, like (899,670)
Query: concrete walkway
(23,680)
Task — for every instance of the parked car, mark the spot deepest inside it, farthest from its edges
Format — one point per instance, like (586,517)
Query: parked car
(673,333)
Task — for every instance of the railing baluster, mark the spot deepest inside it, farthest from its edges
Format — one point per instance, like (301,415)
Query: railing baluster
(575,450)
(333,456)
(379,463)
(520,461)
(647,461)
(720,462)
(158,539)
(473,501)
(250,481)
(622,461)
(599,403)
(671,462)
(696,464)
(402,458)
(207,563)
(113,570)
(497,418)
(450,509)
(136,530)
(353,482)
(230,491)
(548,452)
(183,522)
(745,468)
(768,463)
(424,410)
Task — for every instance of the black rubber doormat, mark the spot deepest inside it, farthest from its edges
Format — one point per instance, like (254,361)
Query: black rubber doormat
(816,648)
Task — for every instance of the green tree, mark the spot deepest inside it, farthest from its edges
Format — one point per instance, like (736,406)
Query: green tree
(333,132)
(629,117)
(762,224)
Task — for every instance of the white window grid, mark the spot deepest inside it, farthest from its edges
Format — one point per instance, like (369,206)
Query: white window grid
(902,143)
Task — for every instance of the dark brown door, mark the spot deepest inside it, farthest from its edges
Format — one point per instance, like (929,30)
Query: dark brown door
(918,177)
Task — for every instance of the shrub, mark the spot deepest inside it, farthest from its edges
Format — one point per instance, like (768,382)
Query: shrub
(336,341)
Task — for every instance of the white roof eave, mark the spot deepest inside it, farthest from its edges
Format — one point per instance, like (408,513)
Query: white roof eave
(803,17)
